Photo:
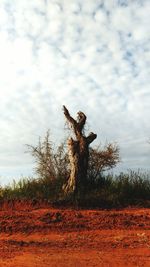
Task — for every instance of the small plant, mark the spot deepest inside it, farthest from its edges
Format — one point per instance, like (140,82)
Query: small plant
(109,191)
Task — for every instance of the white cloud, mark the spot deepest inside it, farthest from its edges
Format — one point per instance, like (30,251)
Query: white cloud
(91,56)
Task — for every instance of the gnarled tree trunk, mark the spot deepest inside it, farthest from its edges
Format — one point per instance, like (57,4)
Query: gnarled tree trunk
(78,153)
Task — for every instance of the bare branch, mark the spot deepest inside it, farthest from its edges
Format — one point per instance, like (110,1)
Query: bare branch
(81,120)
(68,117)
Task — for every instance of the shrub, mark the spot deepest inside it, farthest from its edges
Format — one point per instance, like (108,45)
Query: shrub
(109,191)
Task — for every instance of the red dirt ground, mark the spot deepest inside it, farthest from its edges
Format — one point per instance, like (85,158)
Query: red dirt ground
(42,237)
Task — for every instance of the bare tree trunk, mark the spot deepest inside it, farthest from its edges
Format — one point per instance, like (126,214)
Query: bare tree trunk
(78,153)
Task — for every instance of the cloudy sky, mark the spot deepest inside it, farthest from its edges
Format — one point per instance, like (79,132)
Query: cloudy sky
(91,55)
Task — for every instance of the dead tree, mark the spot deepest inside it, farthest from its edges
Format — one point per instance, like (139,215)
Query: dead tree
(78,153)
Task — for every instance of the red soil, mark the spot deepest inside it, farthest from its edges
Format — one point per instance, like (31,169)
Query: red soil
(41,237)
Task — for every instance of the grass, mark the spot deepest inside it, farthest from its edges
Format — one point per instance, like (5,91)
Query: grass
(132,188)
(31,188)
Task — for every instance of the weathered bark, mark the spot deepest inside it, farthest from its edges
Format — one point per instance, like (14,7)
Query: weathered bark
(78,153)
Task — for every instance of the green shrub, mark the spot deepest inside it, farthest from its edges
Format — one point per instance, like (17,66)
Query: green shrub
(132,188)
